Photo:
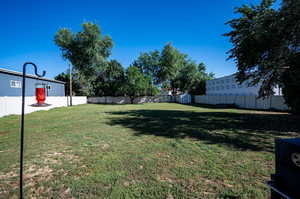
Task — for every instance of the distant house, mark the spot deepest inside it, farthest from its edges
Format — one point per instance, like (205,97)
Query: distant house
(11,84)
(228,85)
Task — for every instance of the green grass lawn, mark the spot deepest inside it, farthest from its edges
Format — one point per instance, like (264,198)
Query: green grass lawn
(143,151)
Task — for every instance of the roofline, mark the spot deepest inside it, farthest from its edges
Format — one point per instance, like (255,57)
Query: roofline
(223,77)
(2,70)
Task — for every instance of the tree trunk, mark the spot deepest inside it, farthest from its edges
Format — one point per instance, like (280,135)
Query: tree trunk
(131,100)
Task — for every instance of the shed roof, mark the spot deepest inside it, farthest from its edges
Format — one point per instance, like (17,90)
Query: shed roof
(2,70)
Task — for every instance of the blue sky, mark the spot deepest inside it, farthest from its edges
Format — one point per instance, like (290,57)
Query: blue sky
(194,27)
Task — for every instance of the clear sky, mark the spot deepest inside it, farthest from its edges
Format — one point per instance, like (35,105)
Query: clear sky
(194,27)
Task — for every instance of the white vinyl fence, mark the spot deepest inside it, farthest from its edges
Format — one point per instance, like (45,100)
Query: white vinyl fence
(126,100)
(12,105)
(249,102)
(183,99)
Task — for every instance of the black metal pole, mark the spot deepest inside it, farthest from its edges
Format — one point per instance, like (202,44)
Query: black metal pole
(22,132)
(22,121)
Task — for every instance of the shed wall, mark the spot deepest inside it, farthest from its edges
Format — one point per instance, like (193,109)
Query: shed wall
(57,89)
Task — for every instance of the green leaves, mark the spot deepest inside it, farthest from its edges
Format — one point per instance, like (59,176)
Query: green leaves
(171,69)
(87,50)
(110,81)
(136,84)
(63,38)
(191,78)
(170,63)
(266,45)
(149,64)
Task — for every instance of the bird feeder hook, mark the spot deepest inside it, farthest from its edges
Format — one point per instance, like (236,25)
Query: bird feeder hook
(22,120)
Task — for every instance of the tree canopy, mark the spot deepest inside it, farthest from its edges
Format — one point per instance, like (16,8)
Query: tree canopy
(136,84)
(192,78)
(110,81)
(88,51)
(171,62)
(149,64)
(173,70)
(266,48)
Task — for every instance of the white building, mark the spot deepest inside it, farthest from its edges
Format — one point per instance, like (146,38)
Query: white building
(228,85)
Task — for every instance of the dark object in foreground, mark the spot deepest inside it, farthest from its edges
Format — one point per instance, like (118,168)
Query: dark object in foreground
(285,182)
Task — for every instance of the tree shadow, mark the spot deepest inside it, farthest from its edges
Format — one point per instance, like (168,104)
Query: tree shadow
(233,106)
(245,131)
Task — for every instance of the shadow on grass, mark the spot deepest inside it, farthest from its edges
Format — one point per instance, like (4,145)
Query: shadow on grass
(247,131)
(233,106)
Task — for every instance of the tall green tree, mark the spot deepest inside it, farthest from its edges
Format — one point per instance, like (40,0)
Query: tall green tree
(191,78)
(136,84)
(109,82)
(171,62)
(87,50)
(149,64)
(198,84)
(173,70)
(185,76)
(290,28)
(266,43)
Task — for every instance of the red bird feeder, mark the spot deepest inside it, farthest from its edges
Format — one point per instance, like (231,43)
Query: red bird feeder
(40,94)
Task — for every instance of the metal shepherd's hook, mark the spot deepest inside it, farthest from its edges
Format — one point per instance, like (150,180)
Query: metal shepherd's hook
(22,120)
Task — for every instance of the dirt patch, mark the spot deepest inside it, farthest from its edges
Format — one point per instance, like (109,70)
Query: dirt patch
(170,196)
(105,146)
(9,181)
(224,183)
(57,158)
(167,177)
(162,155)
(9,175)
(3,132)
(36,175)
(33,175)
(129,183)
